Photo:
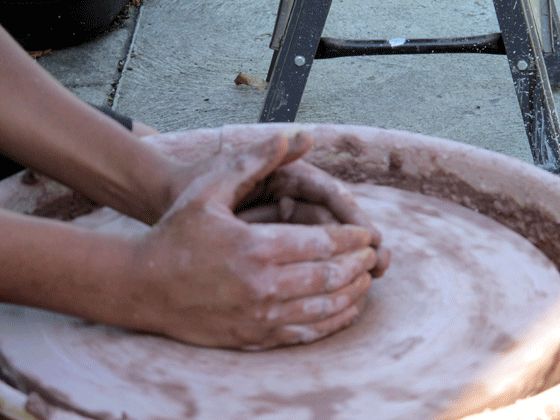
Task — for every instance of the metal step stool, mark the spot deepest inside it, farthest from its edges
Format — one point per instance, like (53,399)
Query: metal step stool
(529,37)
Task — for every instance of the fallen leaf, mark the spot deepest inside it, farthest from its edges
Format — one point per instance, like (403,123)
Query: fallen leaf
(36,54)
(255,81)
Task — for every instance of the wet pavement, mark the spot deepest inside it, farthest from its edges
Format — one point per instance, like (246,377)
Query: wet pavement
(172,64)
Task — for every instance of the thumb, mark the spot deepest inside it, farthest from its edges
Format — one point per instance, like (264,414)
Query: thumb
(299,145)
(228,177)
(245,169)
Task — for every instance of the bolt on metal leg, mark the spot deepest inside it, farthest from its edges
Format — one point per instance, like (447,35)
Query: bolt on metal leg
(296,37)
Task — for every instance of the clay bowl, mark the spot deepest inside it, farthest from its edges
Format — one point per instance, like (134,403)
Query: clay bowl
(453,352)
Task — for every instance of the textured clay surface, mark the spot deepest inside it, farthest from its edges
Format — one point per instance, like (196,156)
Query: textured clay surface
(461,291)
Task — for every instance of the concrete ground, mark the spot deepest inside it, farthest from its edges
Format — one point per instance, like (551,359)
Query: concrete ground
(172,65)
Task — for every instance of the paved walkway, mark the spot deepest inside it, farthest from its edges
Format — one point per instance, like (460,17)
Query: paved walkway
(172,64)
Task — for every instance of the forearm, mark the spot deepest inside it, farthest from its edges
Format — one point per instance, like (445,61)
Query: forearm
(61,267)
(45,127)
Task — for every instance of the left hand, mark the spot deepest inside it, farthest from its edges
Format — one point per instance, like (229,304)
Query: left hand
(300,193)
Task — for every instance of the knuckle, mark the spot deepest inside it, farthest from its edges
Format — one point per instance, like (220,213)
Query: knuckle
(261,243)
(254,293)
(273,313)
(258,314)
(240,162)
(320,306)
(263,287)
(337,238)
(333,276)
(326,246)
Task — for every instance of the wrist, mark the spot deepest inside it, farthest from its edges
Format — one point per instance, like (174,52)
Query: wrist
(56,266)
(161,189)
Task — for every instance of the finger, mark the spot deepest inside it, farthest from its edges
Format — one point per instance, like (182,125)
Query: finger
(307,333)
(308,279)
(317,186)
(283,243)
(343,206)
(226,177)
(247,169)
(261,214)
(142,130)
(288,211)
(287,208)
(242,171)
(292,211)
(362,304)
(383,260)
(315,308)
(299,145)
(311,214)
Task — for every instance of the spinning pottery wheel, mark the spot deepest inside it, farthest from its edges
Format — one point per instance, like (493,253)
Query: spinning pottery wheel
(466,319)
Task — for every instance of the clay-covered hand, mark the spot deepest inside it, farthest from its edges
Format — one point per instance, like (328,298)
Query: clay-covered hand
(207,277)
(302,193)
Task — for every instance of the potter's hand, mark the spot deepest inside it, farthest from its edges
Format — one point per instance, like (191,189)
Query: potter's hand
(302,193)
(207,277)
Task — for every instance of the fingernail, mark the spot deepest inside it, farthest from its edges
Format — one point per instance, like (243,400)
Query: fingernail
(352,314)
(366,281)
(349,237)
(304,138)
(376,238)
(286,207)
(355,229)
(383,260)
(300,144)
(367,257)
(279,141)
(304,334)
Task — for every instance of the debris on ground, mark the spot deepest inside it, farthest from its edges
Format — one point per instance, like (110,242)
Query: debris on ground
(255,81)
(37,54)
(124,14)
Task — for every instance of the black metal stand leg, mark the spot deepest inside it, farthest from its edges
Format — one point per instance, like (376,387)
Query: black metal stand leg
(523,36)
(291,65)
(530,34)
(552,53)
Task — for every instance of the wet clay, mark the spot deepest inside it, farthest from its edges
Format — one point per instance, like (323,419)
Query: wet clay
(462,290)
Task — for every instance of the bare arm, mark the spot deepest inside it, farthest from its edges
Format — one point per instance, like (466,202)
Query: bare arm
(58,266)
(201,274)
(45,127)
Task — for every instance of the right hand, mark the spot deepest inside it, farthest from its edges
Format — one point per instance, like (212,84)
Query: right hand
(207,277)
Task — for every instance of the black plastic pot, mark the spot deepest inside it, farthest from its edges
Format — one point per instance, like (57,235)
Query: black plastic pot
(44,24)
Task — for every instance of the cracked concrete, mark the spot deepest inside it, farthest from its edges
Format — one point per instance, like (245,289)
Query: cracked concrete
(91,70)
